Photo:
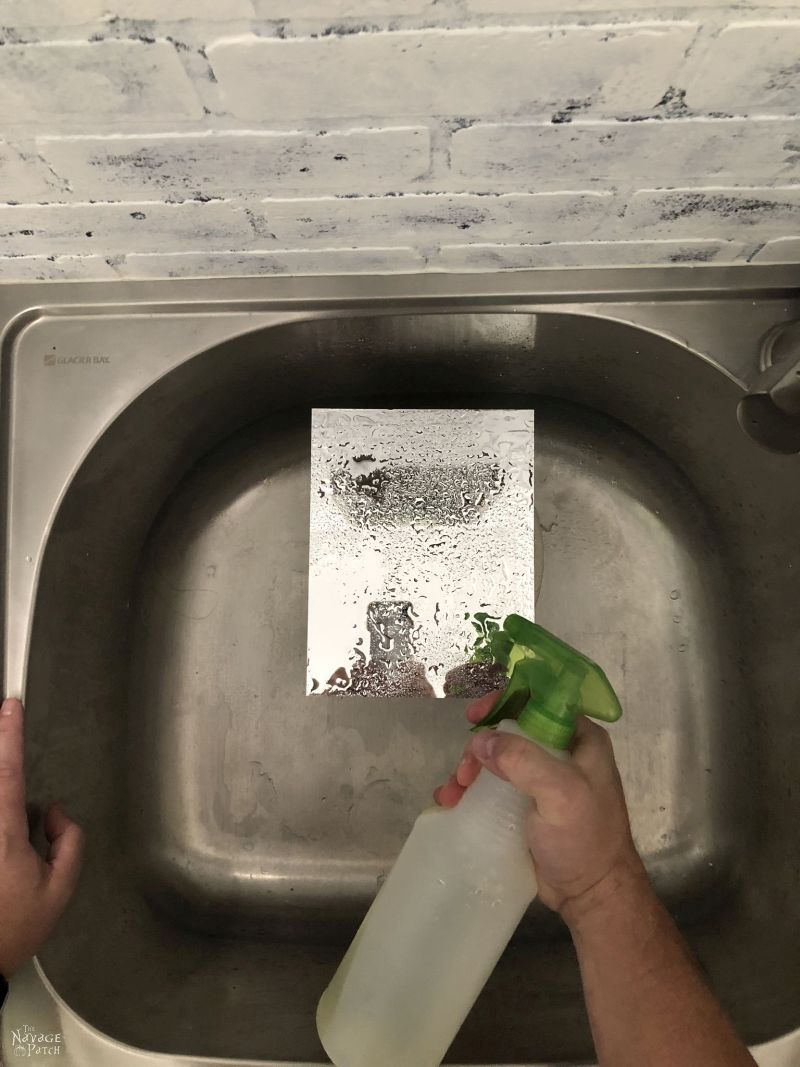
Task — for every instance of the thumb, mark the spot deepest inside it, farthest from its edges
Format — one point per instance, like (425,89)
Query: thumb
(65,853)
(532,770)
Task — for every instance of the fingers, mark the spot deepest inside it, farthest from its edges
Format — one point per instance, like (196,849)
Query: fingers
(589,735)
(449,794)
(468,769)
(13,819)
(530,769)
(65,853)
(479,709)
(592,750)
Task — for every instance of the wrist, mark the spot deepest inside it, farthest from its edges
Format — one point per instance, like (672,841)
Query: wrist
(624,888)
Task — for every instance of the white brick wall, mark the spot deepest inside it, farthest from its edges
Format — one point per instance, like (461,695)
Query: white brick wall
(750,67)
(92,80)
(700,212)
(239,162)
(519,71)
(192,137)
(130,227)
(439,217)
(536,155)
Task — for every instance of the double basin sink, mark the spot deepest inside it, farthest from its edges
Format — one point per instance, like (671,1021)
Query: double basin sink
(156,464)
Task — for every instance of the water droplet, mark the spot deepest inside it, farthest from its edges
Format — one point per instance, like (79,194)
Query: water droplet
(682,647)
(676,618)
(29,559)
(674,595)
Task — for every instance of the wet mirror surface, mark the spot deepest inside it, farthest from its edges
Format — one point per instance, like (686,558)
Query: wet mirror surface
(421,532)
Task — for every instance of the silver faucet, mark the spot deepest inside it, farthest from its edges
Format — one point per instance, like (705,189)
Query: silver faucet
(770,412)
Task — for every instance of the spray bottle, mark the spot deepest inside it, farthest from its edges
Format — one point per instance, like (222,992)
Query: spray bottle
(463,879)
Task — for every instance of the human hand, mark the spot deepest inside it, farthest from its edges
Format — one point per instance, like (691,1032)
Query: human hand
(33,891)
(578,829)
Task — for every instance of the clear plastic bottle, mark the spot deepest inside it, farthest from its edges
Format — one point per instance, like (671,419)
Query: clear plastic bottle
(462,881)
(438,926)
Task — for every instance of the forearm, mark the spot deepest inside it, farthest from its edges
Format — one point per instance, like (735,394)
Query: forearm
(648,1005)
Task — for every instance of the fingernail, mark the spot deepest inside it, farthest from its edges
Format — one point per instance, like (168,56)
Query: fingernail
(436,793)
(7,707)
(485,744)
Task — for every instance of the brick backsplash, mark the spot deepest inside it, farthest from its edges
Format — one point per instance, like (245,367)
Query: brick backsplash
(149,138)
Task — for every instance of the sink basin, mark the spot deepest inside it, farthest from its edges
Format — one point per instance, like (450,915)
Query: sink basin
(155,613)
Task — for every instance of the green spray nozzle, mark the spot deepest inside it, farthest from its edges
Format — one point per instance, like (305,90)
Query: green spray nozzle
(549,684)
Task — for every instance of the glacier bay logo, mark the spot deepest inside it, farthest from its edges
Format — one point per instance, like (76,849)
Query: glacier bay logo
(52,359)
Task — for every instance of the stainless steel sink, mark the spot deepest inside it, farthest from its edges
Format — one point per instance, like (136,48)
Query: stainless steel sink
(156,484)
